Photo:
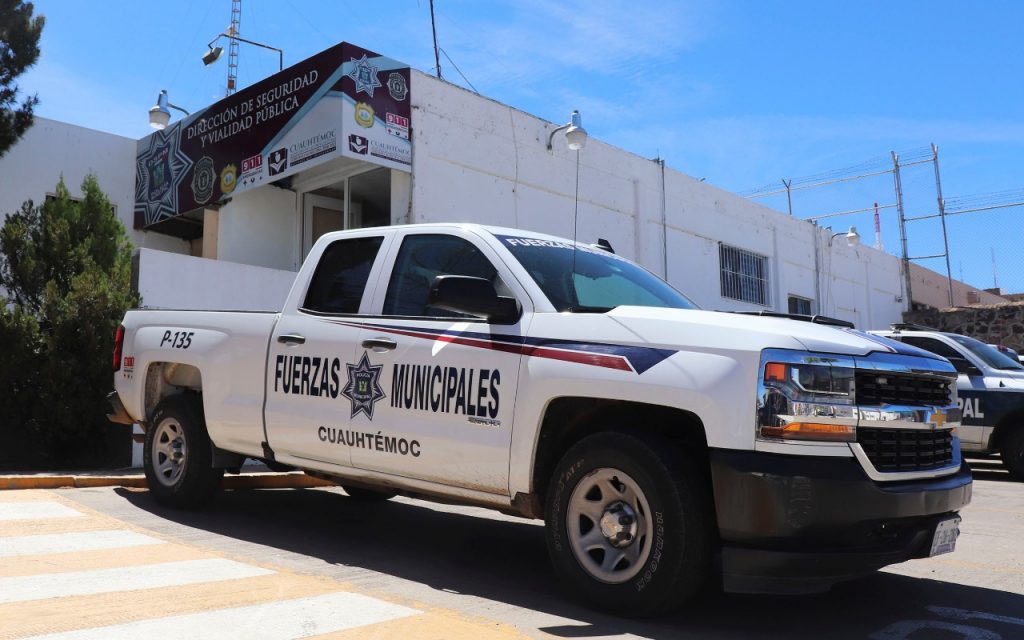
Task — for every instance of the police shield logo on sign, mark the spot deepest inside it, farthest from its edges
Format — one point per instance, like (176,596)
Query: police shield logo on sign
(278,161)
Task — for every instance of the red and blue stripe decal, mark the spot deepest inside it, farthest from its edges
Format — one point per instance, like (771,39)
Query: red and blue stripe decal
(597,354)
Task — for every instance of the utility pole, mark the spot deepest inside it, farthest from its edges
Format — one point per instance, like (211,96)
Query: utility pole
(433,27)
(897,183)
(878,230)
(942,217)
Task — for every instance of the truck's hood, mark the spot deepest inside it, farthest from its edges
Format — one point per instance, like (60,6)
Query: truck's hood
(682,328)
(1005,379)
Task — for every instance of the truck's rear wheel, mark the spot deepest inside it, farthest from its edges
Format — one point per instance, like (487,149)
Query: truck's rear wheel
(178,456)
(629,526)
(1012,453)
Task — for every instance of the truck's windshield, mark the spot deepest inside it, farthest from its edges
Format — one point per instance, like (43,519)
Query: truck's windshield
(599,282)
(992,357)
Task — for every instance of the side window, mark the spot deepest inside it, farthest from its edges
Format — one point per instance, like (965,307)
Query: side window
(340,278)
(933,345)
(420,260)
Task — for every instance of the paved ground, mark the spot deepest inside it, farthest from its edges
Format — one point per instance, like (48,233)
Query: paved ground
(281,563)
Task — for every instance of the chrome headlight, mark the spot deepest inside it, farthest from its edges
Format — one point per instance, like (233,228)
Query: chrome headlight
(815,381)
(806,396)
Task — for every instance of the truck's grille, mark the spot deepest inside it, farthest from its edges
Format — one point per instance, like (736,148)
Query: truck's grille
(876,388)
(907,449)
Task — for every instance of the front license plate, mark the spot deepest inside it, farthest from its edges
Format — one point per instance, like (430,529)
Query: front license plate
(946,533)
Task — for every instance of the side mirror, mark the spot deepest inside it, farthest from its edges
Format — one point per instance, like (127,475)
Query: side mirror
(472,296)
(964,366)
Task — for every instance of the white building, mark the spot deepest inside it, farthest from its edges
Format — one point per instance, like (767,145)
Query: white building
(51,150)
(226,208)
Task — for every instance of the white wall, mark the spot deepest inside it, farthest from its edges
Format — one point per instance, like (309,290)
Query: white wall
(174,281)
(481,161)
(477,160)
(931,288)
(50,149)
(261,227)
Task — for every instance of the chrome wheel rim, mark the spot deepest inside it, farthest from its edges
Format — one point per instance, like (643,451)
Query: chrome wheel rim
(169,451)
(609,523)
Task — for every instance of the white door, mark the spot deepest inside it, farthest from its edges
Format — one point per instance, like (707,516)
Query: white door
(320,215)
(307,411)
(441,391)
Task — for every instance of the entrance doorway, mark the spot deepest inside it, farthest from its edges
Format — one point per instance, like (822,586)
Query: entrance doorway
(355,202)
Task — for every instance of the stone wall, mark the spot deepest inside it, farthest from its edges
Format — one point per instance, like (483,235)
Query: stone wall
(992,323)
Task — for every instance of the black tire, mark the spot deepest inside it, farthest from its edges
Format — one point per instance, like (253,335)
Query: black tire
(178,455)
(369,495)
(1012,453)
(667,557)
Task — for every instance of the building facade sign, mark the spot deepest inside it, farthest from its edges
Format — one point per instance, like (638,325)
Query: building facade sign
(342,102)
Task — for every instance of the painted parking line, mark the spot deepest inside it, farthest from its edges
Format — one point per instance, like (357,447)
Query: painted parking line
(59,615)
(300,618)
(98,559)
(44,510)
(63,576)
(18,546)
(167,574)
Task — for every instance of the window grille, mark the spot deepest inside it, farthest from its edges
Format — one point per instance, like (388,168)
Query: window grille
(744,275)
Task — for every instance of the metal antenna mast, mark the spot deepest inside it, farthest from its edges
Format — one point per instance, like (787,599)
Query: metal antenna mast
(236,20)
(995,273)
(433,27)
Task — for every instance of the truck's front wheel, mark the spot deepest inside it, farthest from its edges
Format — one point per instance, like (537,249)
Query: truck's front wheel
(629,527)
(1012,453)
(178,455)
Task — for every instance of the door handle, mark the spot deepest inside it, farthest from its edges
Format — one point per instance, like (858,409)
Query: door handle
(291,339)
(379,345)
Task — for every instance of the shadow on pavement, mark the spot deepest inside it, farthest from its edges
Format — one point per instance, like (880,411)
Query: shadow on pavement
(506,561)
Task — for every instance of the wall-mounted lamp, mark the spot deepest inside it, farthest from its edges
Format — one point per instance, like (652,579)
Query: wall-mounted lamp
(852,237)
(575,134)
(160,114)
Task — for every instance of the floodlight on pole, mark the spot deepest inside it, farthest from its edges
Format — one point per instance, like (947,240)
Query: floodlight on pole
(213,53)
(160,114)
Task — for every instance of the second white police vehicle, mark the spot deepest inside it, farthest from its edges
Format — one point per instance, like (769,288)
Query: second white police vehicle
(664,446)
(990,385)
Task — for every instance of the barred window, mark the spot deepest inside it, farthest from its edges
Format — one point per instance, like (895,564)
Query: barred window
(799,305)
(744,275)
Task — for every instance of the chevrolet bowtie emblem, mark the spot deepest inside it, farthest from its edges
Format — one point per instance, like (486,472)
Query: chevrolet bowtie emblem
(939,418)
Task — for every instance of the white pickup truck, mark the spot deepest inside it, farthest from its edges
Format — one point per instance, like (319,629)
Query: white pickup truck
(664,446)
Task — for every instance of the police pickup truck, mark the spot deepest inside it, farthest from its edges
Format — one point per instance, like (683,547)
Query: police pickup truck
(990,386)
(664,446)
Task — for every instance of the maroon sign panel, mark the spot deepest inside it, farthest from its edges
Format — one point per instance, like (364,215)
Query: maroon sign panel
(345,101)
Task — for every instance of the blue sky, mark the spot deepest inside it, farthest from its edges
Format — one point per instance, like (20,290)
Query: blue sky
(741,93)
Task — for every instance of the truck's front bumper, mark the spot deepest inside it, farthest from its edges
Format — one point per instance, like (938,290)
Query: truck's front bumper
(798,524)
